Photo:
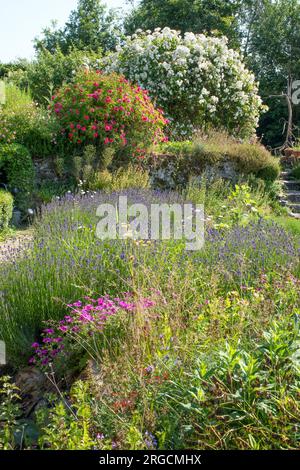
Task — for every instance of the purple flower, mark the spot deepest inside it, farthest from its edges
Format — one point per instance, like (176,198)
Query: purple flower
(68,319)
(48,340)
(57,340)
(49,331)
(86,320)
(150,440)
(63,328)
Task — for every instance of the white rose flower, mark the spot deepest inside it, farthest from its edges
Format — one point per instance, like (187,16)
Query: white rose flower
(208,74)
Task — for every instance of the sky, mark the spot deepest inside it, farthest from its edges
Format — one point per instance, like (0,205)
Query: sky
(22,20)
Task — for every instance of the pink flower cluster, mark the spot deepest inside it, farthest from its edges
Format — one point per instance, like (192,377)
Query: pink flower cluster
(108,110)
(85,318)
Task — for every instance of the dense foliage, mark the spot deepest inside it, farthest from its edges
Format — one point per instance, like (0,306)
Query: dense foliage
(210,16)
(26,123)
(275,24)
(90,27)
(17,164)
(196,79)
(50,70)
(248,25)
(6,208)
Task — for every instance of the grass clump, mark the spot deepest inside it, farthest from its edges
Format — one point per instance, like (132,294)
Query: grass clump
(130,177)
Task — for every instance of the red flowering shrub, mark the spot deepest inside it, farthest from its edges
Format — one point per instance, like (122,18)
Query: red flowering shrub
(108,110)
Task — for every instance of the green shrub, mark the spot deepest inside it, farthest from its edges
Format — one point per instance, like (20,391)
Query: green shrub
(101,181)
(9,414)
(16,161)
(50,189)
(131,177)
(24,122)
(6,209)
(15,72)
(50,71)
(296,172)
(69,428)
(87,165)
(254,159)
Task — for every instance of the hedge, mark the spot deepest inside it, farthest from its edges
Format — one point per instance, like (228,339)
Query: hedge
(16,161)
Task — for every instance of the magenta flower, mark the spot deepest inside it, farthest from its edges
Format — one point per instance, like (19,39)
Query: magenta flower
(49,331)
(63,328)
(84,320)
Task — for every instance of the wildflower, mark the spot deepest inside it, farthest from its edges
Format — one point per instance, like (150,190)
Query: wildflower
(85,320)
(49,331)
(150,440)
(47,340)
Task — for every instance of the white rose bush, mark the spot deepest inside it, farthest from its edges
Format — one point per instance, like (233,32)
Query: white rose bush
(197,80)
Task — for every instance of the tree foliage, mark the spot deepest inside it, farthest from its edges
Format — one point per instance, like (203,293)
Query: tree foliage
(91,27)
(273,52)
(195,16)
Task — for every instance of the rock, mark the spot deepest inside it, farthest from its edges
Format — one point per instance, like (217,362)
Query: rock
(16,218)
(33,384)
(170,171)
(45,170)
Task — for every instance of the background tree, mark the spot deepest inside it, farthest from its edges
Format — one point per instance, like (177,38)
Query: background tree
(273,52)
(90,27)
(9,68)
(195,16)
